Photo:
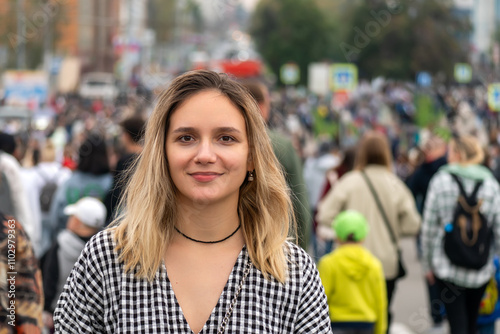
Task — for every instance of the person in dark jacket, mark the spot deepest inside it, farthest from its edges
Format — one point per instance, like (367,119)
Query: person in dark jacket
(434,149)
(131,138)
(290,162)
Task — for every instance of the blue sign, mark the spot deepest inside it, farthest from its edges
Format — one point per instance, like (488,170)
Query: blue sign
(463,72)
(27,88)
(344,77)
(494,96)
(424,79)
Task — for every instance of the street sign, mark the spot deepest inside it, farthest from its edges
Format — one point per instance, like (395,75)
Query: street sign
(318,74)
(343,77)
(290,74)
(424,79)
(463,72)
(25,88)
(494,96)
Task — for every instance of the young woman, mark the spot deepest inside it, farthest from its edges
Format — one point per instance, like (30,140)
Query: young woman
(461,287)
(201,246)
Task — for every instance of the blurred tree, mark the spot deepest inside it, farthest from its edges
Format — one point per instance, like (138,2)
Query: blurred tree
(290,31)
(40,18)
(338,15)
(172,18)
(161,18)
(400,39)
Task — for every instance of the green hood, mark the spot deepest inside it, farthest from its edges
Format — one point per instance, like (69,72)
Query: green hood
(474,172)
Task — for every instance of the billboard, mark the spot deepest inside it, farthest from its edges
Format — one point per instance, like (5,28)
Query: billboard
(25,88)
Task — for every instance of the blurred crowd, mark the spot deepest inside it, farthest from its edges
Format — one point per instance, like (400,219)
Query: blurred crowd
(87,148)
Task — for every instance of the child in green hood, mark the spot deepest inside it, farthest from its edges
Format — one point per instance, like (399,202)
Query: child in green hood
(354,280)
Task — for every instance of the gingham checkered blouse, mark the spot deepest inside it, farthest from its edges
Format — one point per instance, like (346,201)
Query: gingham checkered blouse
(100,298)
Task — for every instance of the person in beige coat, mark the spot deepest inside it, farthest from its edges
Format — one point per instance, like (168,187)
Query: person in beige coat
(353,193)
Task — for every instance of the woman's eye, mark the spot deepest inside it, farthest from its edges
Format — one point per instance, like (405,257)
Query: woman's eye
(227,139)
(185,138)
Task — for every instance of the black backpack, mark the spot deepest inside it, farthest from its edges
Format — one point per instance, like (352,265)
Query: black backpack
(47,192)
(468,237)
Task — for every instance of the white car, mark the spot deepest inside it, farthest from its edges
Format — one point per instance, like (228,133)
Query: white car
(98,85)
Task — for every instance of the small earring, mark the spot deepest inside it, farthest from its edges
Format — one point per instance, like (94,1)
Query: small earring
(250,176)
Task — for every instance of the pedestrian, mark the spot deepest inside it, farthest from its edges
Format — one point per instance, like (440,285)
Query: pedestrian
(323,234)
(86,218)
(434,149)
(202,244)
(41,182)
(92,178)
(354,280)
(376,192)
(461,286)
(131,139)
(290,162)
(14,199)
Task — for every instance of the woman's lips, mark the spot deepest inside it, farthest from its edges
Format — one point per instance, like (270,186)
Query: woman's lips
(205,177)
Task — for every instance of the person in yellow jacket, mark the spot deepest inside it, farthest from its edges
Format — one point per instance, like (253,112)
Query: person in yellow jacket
(354,280)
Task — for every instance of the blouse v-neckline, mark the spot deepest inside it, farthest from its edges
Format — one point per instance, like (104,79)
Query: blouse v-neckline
(219,310)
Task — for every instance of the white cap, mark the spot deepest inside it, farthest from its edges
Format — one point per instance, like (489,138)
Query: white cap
(90,211)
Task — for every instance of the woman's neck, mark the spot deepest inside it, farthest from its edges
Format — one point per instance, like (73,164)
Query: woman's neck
(207,223)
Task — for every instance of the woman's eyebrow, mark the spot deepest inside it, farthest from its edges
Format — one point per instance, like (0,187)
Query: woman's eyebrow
(184,129)
(221,129)
(228,129)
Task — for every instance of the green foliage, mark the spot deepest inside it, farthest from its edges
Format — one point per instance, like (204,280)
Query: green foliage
(162,19)
(41,17)
(399,42)
(395,39)
(168,17)
(290,31)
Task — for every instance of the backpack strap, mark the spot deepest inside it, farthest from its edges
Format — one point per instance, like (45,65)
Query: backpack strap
(476,189)
(473,195)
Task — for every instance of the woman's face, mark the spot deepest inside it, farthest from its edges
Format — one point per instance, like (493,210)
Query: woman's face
(207,149)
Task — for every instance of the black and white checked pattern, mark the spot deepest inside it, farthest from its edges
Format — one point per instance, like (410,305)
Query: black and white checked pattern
(100,298)
(439,206)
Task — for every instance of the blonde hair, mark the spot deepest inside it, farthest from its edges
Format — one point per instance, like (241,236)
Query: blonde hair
(373,149)
(468,149)
(143,231)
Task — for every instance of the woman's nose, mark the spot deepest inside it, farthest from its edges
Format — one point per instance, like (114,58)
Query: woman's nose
(205,153)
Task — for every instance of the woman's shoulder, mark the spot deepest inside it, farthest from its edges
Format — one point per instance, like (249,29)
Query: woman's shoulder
(298,258)
(100,249)
(102,240)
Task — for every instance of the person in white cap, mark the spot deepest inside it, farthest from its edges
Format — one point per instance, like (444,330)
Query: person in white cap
(86,218)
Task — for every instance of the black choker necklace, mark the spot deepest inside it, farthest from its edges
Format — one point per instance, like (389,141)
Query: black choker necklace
(208,242)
